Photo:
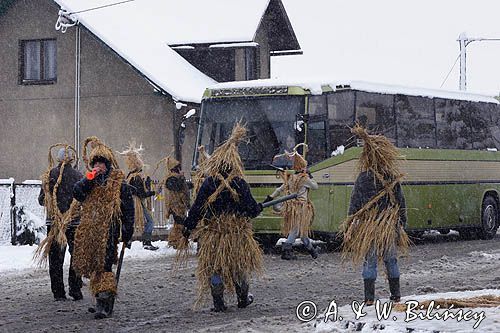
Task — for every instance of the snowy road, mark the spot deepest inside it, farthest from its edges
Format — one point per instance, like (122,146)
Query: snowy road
(152,300)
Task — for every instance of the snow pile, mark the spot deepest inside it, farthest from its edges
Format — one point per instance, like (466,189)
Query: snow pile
(411,320)
(19,258)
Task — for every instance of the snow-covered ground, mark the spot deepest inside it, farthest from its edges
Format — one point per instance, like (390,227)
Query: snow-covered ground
(15,259)
(466,319)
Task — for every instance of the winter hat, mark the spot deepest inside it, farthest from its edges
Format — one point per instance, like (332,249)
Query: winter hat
(133,157)
(99,152)
(66,153)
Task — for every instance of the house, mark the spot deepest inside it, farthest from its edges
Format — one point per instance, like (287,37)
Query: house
(125,70)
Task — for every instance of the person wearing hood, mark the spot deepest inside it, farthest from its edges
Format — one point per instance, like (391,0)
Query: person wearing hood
(107,204)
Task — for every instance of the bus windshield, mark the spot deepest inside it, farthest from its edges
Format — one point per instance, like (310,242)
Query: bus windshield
(270,122)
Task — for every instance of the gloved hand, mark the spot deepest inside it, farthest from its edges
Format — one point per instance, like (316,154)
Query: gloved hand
(186,233)
(268,198)
(148,182)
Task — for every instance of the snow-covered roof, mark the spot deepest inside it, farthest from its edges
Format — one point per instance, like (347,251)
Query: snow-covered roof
(139,30)
(318,86)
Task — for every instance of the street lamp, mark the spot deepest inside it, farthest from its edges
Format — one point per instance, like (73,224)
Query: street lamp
(463,40)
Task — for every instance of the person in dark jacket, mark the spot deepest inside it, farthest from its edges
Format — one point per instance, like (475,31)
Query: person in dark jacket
(176,199)
(221,214)
(106,204)
(377,214)
(59,182)
(141,186)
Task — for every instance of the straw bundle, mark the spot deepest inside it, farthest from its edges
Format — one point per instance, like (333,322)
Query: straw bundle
(227,249)
(483,301)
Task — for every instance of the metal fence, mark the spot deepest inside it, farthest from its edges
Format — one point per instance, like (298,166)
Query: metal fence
(14,195)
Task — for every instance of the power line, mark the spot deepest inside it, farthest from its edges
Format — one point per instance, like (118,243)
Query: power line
(100,7)
(446,78)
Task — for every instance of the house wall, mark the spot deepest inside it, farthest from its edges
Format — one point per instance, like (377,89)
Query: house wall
(117,103)
(262,39)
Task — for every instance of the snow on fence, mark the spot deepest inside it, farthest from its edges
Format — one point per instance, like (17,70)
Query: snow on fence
(21,200)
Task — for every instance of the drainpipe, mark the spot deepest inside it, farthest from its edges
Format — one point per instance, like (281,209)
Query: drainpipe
(77,93)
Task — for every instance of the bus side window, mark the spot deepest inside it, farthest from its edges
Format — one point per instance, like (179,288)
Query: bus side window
(415,121)
(340,119)
(316,130)
(375,112)
(466,125)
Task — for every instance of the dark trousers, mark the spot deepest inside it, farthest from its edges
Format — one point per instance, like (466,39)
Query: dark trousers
(111,251)
(56,261)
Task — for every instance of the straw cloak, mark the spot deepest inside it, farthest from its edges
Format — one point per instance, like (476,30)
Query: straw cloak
(377,212)
(221,215)
(100,223)
(136,180)
(297,213)
(56,195)
(107,210)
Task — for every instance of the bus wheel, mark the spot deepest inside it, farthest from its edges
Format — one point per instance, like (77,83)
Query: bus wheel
(268,242)
(489,218)
(444,231)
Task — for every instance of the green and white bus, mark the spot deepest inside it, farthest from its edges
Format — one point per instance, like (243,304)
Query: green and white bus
(449,141)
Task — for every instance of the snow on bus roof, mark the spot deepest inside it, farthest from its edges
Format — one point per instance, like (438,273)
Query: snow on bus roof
(315,87)
(139,32)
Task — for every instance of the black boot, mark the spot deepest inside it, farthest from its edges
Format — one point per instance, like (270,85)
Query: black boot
(104,305)
(287,251)
(146,242)
(244,298)
(369,291)
(395,290)
(313,251)
(218,296)
(76,294)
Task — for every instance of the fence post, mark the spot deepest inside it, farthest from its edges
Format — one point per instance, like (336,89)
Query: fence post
(13,236)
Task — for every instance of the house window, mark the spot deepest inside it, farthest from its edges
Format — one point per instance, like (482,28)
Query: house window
(38,63)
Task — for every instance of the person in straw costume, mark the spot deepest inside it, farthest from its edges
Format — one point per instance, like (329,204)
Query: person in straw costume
(298,213)
(141,187)
(377,214)
(63,218)
(177,201)
(107,211)
(221,214)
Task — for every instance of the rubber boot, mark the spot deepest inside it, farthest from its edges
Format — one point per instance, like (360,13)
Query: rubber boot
(395,290)
(104,305)
(287,251)
(244,298)
(313,251)
(369,291)
(76,294)
(217,289)
(146,242)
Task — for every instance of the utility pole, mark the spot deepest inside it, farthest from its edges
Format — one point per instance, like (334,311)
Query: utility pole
(464,41)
